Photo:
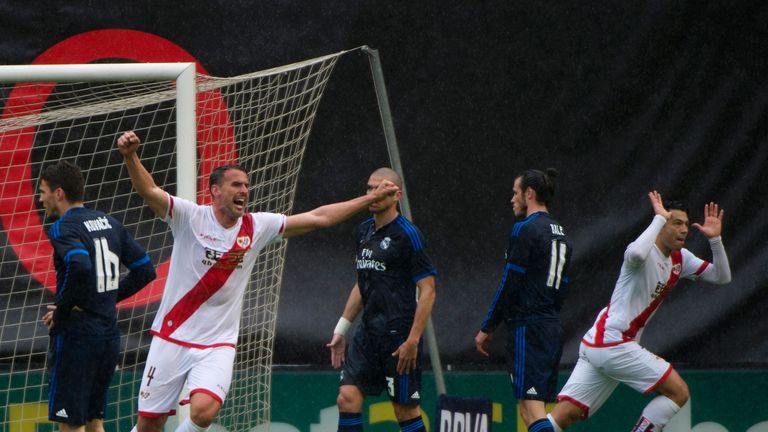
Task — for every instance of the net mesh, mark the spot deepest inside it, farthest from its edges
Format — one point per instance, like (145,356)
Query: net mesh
(260,120)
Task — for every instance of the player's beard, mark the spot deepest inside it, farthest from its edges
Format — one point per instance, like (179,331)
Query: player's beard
(49,213)
(522,208)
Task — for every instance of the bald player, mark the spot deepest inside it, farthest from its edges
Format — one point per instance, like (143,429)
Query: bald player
(386,350)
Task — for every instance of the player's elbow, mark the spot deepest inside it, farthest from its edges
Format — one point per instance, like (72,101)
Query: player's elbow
(633,255)
(146,274)
(150,274)
(79,268)
(724,279)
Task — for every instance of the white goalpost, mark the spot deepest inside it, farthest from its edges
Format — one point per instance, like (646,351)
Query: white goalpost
(189,124)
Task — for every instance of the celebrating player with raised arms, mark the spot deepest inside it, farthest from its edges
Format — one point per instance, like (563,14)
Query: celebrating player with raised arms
(610,352)
(214,249)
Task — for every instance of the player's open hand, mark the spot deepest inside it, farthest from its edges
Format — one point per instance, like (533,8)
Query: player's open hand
(481,342)
(48,317)
(338,345)
(128,143)
(385,189)
(658,205)
(713,221)
(406,356)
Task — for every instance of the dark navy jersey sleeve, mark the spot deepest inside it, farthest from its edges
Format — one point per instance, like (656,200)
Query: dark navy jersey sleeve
(419,262)
(516,259)
(73,269)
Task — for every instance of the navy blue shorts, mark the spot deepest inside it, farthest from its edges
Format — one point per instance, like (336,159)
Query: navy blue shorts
(79,376)
(533,359)
(369,365)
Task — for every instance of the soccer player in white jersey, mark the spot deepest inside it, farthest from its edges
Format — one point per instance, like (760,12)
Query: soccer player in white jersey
(214,250)
(609,352)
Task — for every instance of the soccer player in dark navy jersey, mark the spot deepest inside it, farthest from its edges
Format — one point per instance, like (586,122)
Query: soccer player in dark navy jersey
(529,298)
(386,350)
(89,247)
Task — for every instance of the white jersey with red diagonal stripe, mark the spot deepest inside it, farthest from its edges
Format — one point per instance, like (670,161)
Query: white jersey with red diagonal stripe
(639,291)
(209,271)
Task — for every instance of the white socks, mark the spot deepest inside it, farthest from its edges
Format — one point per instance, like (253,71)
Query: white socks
(189,426)
(555,426)
(660,410)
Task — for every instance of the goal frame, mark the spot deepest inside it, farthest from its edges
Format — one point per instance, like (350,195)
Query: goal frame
(185,76)
(183,73)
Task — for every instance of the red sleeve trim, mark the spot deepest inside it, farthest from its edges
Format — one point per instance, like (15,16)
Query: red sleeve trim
(170,206)
(701,268)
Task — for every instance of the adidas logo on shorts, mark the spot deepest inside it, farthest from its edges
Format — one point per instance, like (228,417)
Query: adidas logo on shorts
(532,391)
(62,413)
(415,395)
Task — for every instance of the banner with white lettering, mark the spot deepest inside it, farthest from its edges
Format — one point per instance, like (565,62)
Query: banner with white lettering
(460,414)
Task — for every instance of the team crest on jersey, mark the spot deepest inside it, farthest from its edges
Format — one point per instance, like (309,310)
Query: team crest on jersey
(676,269)
(385,243)
(244,241)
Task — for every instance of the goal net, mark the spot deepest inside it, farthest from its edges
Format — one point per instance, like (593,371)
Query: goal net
(260,120)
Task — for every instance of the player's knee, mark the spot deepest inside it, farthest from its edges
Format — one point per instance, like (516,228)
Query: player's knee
(203,417)
(203,409)
(405,412)
(531,410)
(565,414)
(94,426)
(675,388)
(349,399)
(681,395)
(527,416)
(151,424)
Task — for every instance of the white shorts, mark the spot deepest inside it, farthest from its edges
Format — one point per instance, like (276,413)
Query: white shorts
(599,370)
(169,365)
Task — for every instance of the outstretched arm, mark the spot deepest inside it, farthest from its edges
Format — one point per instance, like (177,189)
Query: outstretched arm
(332,214)
(720,271)
(338,342)
(407,351)
(142,180)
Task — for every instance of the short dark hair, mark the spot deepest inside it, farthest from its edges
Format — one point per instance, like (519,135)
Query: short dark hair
(68,177)
(543,182)
(218,173)
(675,205)
(389,174)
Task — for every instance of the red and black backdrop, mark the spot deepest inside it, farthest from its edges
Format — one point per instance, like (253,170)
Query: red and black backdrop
(621,98)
